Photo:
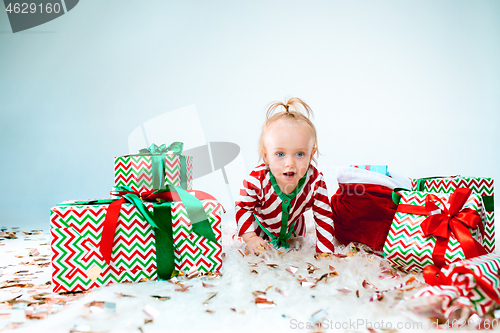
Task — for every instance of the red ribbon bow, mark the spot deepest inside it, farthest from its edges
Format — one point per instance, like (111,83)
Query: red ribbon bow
(441,223)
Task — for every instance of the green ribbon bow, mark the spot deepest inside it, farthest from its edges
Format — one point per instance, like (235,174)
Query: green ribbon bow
(157,154)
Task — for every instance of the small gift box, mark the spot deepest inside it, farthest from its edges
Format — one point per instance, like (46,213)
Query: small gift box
(435,229)
(473,284)
(155,167)
(478,185)
(98,242)
(382,169)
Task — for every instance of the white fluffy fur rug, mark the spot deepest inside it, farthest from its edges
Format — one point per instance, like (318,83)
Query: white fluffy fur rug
(233,309)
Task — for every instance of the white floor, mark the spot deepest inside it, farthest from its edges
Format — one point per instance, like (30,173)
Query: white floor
(233,309)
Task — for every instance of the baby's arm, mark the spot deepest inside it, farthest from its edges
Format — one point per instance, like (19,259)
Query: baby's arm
(323,217)
(245,208)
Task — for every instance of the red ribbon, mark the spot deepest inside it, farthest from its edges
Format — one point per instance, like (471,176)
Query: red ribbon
(441,223)
(434,277)
(109,224)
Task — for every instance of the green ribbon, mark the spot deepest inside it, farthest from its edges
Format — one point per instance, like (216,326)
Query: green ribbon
(157,154)
(286,199)
(164,241)
(488,200)
(194,208)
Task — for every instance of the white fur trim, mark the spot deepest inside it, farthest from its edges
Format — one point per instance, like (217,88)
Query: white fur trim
(362,176)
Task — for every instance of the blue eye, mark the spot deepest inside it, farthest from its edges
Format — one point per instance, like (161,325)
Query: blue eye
(280,154)
(300,154)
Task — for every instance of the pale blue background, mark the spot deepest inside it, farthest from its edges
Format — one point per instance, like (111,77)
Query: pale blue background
(411,84)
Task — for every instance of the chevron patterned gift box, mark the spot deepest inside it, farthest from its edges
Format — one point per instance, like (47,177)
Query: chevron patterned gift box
(154,167)
(77,231)
(435,229)
(472,283)
(478,185)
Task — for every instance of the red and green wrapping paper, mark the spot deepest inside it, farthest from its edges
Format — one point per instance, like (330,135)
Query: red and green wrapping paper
(472,283)
(154,167)
(436,229)
(479,185)
(80,261)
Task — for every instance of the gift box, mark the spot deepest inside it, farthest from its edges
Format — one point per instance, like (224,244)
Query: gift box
(435,229)
(478,185)
(382,169)
(154,167)
(98,242)
(473,284)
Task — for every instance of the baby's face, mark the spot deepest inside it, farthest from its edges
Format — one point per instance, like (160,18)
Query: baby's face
(288,151)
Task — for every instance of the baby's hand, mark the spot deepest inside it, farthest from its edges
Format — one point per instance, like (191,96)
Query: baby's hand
(254,242)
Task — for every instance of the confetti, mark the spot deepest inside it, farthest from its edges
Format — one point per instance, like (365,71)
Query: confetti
(210,311)
(5,315)
(161,298)
(206,285)
(94,272)
(327,275)
(282,292)
(210,296)
(318,316)
(345,290)
(368,285)
(34,252)
(193,273)
(258,292)
(272,265)
(292,269)
(307,284)
(254,271)
(183,288)
(264,302)
(151,312)
(311,268)
(377,297)
(242,254)
(261,248)
(410,280)
(119,295)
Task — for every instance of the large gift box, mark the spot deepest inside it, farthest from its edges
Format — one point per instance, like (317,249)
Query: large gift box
(99,242)
(155,167)
(473,284)
(436,229)
(478,185)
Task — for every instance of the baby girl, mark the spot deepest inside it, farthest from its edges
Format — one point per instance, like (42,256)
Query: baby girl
(276,194)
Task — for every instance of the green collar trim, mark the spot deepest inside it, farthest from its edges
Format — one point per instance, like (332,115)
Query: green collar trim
(294,193)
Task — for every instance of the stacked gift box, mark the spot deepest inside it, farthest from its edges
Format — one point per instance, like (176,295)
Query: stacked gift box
(154,227)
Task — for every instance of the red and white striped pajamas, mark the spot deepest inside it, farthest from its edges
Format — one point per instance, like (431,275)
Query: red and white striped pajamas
(259,197)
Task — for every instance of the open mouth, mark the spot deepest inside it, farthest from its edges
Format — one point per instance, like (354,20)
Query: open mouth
(289,174)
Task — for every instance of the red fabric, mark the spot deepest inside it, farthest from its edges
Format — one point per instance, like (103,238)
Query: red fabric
(363,213)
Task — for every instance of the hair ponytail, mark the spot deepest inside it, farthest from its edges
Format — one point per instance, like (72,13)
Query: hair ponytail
(294,103)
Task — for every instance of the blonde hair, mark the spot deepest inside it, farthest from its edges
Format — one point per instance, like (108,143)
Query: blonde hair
(292,112)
